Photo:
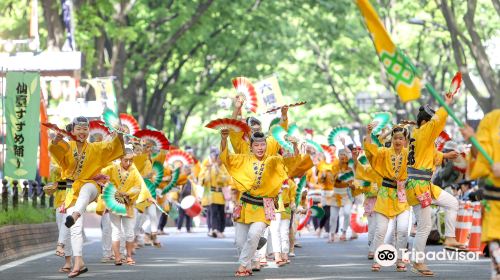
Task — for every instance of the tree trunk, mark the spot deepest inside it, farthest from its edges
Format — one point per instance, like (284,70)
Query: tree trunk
(55,29)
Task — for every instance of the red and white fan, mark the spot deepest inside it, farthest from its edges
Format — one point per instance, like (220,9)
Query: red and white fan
(455,85)
(179,155)
(441,140)
(329,153)
(97,128)
(130,122)
(231,124)
(244,87)
(359,222)
(157,137)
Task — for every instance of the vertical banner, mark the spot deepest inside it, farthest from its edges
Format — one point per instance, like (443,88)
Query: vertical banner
(104,92)
(22,112)
(44,164)
(269,94)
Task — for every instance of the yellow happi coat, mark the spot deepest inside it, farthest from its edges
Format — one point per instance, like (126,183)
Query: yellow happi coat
(127,181)
(288,197)
(55,176)
(265,185)
(81,168)
(388,165)
(488,135)
(365,173)
(424,155)
(213,178)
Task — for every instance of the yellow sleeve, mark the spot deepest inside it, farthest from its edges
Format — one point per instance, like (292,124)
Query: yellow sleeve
(293,189)
(438,158)
(240,146)
(110,150)
(273,147)
(58,153)
(371,151)
(160,157)
(487,132)
(284,124)
(231,162)
(436,125)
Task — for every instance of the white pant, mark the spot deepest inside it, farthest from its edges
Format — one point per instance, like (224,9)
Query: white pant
(152,226)
(424,221)
(334,216)
(372,226)
(106,235)
(261,254)
(88,193)
(247,240)
(401,222)
(280,230)
(64,236)
(122,226)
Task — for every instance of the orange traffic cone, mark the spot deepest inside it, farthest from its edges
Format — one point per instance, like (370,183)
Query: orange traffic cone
(464,222)
(475,232)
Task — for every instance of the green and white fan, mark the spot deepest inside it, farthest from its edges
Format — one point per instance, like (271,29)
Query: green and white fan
(151,187)
(173,181)
(362,159)
(381,120)
(375,140)
(113,123)
(157,174)
(279,133)
(294,131)
(317,212)
(300,187)
(275,121)
(317,147)
(348,176)
(337,133)
(113,201)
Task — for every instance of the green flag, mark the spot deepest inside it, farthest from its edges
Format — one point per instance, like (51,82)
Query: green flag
(22,113)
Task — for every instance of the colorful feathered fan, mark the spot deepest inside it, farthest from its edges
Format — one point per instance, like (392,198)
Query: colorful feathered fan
(279,133)
(173,181)
(305,221)
(441,140)
(180,155)
(113,123)
(275,121)
(130,122)
(362,159)
(157,137)
(157,173)
(456,84)
(348,176)
(317,212)
(244,87)
(151,187)
(302,184)
(317,147)
(375,140)
(294,131)
(329,153)
(381,120)
(337,133)
(231,124)
(113,201)
(99,129)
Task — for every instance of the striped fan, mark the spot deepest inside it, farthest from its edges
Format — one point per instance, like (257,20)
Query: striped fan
(350,163)
(362,159)
(111,120)
(337,133)
(358,223)
(157,173)
(231,124)
(111,202)
(130,122)
(150,127)
(315,146)
(317,212)
(181,155)
(365,184)
(329,153)
(97,127)
(244,87)
(375,140)
(173,181)
(441,140)
(300,187)
(294,131)
(157,137)
(456,84)
(381,120)
(279,134)
(348,176)
(151,187)
(275,121)
(55,128)
(305,221)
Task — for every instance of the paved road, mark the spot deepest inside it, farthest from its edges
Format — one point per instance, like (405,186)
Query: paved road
(195,256)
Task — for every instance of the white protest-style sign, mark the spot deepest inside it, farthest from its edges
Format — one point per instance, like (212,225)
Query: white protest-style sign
(269,94)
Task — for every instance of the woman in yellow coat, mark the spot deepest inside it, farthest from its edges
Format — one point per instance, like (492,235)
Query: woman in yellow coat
(80,162)
(488,135)
(390,164)
(421,193)
(128,182)
(258,178)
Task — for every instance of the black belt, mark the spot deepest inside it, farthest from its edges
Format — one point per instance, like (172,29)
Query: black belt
(491,193)
(389,183)
(286,205)
(62,185)
(214,189)
(245,197)
(417,174)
